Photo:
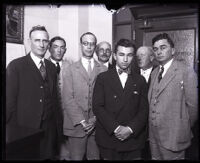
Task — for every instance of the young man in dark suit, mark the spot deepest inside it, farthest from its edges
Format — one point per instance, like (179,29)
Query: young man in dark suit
(121,108)
(31,95)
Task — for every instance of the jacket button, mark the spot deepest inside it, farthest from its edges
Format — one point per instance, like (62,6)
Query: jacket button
(41,86)
(40,100)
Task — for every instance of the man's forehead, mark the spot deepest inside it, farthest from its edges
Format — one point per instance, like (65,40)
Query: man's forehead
(88,37)
(125,49)
(161,42)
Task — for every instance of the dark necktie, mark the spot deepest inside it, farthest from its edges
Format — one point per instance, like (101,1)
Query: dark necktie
(43,70)
(57,67)
(160,74)
(120,71)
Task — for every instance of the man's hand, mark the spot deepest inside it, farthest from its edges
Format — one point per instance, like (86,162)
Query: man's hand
(89,126)
(122,133)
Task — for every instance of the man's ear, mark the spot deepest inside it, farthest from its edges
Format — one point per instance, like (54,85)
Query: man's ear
(114,56)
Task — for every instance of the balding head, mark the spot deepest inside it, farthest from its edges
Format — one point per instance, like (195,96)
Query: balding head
(145,56)
(103,51)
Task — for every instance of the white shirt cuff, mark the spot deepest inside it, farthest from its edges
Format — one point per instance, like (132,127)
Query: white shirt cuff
(116,129)
(130,129)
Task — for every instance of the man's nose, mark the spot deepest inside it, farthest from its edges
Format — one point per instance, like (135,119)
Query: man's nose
(41,44)
(125,58)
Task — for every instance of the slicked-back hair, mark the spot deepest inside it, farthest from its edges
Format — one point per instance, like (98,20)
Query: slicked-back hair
(56,38)
(37,28)
(161,37)
(125,43)
(88,33)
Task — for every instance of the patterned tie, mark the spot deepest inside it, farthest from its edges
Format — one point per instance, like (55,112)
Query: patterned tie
(57,67)
(120,71)
(89,67)
(43,70)
(160,74)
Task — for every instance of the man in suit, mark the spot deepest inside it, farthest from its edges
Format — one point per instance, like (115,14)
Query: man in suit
(145,57)
(103,52)
(173,102)
(57,49)
(31,96)
(79,120)
(121,107)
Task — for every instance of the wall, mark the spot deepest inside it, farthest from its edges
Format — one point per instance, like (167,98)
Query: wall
(67,21)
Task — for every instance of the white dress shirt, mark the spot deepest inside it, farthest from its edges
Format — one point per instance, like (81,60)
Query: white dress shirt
(36,60)
(146,73)
(85,63)
(166,67)
(123,77)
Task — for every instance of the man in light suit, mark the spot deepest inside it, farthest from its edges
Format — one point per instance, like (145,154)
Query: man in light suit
(103,52)
(57,49)
(31,95)
(121,107)
(173,103)
(78,82)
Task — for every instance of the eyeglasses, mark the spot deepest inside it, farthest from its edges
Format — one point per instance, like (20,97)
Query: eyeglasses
(104,51)
(85,43)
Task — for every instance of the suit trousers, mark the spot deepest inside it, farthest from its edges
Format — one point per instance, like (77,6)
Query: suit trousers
(48,139)
(112,154)
(78,147)
(160,153)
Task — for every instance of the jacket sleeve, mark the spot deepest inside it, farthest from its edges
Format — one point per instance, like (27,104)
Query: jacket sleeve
(107,121)
(140,120)
(190,85)
(12,79)
(69,102)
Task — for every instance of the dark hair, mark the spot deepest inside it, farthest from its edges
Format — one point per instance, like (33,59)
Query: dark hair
(37,28)
(161,37)
(125,43)
(88,33)
(56,38)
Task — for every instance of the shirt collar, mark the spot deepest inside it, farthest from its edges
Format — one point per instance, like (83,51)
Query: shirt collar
(147,70)
(54,62)
(36,59)
(167,65)
(85,61)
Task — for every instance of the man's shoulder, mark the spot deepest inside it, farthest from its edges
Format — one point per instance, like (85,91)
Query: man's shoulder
(18,61)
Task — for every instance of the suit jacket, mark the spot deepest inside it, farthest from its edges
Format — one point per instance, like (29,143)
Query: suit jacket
(60,115)
(173,106)
(25,94)
(114,106)
(77,97)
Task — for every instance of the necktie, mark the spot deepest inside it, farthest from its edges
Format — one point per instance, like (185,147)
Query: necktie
(120,71)
(89,67)
(160,74)
(42,70)
(57,67)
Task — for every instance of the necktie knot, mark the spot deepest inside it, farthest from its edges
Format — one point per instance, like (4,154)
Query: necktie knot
(58,67)
(42,70)
(120,71)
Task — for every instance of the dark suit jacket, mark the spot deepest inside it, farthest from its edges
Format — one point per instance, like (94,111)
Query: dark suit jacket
(24,92)
(114,106)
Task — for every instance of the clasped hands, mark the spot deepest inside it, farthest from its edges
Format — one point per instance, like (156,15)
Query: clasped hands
(122,132)
(89,125)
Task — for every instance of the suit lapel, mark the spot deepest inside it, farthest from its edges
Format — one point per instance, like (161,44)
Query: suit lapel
(95,71)
(127,91)
(170,74)
(115,83)
(49,75)
(82,70)
(34,70)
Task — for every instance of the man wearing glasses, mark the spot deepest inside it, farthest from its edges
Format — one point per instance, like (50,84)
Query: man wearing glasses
(78,83)
(103,52)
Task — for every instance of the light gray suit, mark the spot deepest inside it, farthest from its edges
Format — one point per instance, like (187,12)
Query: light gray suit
(77,99)
(173,106)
